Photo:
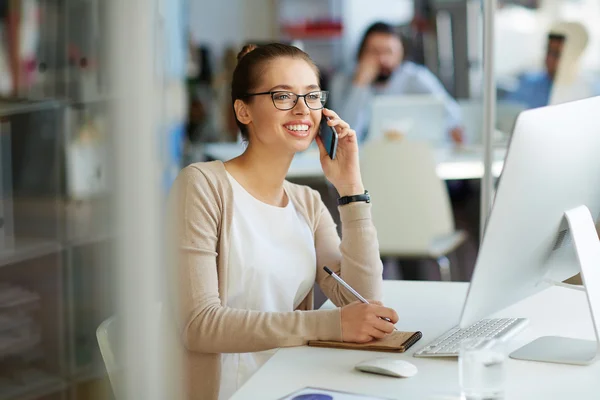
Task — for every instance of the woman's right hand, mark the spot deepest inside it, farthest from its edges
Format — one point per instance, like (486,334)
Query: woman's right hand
(362,323)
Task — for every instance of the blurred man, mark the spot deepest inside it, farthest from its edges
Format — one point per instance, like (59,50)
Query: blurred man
(534,88)
(382,70)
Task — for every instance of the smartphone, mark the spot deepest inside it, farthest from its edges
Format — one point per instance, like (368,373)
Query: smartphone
(329,137)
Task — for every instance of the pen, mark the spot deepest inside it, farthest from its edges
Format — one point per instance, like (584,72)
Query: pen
(350,289)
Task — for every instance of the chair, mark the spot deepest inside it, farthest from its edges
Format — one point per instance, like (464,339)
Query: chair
(105,334)
(412,211)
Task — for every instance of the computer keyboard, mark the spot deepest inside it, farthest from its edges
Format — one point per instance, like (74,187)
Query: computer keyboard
(448,344)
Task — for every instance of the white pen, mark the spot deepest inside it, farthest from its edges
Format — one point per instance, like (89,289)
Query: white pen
(350,289)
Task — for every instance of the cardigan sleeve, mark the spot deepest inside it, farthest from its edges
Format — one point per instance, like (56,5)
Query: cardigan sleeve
(355,258)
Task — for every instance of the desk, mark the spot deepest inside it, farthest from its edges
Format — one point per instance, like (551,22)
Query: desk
(434,307)
(451,164)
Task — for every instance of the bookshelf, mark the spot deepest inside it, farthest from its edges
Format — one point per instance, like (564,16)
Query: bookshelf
(317,26)
(55,238)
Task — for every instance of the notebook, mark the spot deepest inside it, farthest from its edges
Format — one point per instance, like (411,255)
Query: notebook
(396,342)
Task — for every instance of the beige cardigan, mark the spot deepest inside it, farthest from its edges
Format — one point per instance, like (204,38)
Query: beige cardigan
(201,202)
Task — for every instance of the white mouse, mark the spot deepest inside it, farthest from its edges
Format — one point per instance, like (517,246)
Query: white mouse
(388,366)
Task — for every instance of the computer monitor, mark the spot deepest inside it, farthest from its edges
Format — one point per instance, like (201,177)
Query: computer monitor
(552,166)
(415,117)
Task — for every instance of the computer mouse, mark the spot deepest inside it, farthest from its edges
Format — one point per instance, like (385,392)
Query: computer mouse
(389,367)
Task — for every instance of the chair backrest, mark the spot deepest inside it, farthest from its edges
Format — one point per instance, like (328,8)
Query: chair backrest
(411,205)
(106,334)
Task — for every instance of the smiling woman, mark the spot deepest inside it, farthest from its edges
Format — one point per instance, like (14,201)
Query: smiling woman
(252,245)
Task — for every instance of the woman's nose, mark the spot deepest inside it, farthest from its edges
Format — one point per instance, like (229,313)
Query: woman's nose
(301,107)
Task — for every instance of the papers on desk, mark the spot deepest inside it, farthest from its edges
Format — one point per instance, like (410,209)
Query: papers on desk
(309,393)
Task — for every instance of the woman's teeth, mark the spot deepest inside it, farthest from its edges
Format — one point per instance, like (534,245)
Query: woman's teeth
(297,127)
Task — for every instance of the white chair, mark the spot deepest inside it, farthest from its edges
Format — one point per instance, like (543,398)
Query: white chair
(105,334)
(412,210)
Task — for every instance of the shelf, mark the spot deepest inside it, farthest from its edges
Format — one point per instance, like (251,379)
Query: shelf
(18,345)
(43,385)
(90,373)
(27,249)
(86,222)
(14,296)
(88,239)
(317,36)
(316,40)
(12,106)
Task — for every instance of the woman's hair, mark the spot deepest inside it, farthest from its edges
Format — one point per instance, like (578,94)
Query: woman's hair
(252,62)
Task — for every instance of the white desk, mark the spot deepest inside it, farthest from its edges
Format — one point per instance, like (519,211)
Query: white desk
(433,307)
(451,164)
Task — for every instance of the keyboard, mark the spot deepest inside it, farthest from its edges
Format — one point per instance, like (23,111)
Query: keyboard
(448,344)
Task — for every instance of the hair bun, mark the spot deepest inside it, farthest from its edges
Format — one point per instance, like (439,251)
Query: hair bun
(245,50)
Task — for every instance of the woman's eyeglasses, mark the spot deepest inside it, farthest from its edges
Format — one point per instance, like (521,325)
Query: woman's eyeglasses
(283,100)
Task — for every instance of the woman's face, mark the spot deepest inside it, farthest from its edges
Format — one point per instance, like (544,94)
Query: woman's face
(287,131)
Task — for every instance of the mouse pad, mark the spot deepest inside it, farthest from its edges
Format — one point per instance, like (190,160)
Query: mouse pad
(396,342)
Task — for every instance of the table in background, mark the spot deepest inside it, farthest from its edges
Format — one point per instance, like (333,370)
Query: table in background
(452,164)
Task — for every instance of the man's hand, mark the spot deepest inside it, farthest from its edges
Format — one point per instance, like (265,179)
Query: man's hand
(458,135)
(366,72)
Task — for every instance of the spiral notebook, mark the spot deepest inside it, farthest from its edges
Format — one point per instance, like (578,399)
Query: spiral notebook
(396,342)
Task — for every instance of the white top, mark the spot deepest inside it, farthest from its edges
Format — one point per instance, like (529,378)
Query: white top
(432,308)
(272,263)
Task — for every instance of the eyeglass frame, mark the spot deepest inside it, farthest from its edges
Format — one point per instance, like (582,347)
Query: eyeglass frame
(297,98)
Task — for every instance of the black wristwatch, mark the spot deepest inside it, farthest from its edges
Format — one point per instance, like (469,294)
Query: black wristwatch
(357,197)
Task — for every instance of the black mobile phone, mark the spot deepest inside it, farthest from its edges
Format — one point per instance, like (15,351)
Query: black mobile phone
(329,137)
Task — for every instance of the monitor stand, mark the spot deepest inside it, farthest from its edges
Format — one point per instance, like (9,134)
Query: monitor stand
(565,350)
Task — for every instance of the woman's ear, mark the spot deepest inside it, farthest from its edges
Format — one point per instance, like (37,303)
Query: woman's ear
(242,112)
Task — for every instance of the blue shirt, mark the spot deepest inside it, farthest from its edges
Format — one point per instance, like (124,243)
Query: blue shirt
(352,103)
(533,90)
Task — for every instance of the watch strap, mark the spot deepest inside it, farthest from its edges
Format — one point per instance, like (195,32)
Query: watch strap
(357,197)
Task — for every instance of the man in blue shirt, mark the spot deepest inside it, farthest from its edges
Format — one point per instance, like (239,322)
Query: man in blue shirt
(534,88)
(382,70)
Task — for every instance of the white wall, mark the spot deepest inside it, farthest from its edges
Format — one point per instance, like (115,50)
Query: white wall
(521,34)
(224,22)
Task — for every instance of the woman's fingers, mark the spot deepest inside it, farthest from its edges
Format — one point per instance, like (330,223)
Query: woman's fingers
(330,113)
(341,126)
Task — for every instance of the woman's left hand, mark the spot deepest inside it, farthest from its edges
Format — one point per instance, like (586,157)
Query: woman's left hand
(344,171)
